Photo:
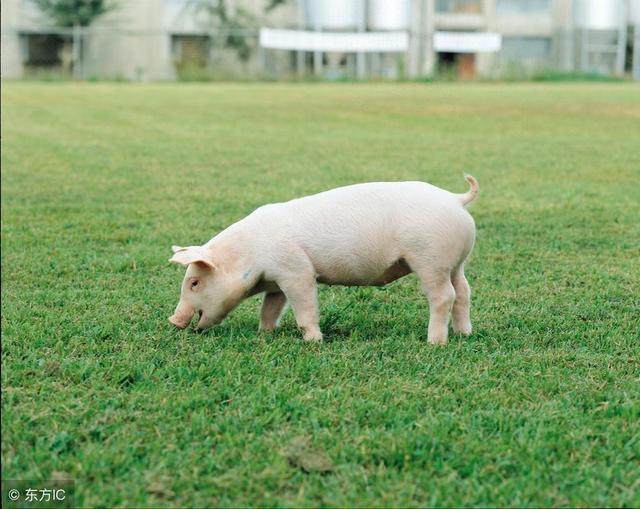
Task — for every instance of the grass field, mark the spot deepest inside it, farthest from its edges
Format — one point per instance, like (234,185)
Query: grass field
(540,406)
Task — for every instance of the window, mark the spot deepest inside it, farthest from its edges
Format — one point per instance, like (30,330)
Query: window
(190,50)
(525,49)
(44,50)
(459,6)
(522,6)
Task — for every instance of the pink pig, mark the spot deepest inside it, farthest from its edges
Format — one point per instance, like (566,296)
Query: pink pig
(364,234)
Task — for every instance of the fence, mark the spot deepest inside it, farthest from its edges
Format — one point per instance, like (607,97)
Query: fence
(101,53)
(106,53)
(121,54)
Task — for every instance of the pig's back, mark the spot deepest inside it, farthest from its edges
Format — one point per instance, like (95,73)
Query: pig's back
(365,208)
(352,234)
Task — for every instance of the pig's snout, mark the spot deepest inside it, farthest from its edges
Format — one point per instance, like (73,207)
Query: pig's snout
(177,322)
(182,316)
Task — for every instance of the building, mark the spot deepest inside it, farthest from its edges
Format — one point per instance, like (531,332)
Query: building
(466,38)
(137,40)
(169,39)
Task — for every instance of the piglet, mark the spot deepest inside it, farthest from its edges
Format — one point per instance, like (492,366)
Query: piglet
(364,234)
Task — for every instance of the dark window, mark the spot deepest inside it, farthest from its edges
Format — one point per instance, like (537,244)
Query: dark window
(43,50)
(190,50)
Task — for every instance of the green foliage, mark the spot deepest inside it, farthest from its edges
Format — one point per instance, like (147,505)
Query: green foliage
(539,407)
(274,4)
(233,23)
(68,13)
(194,72)
(552,75)
(190,72)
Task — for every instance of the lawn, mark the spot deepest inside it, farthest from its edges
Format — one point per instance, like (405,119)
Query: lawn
(539,407)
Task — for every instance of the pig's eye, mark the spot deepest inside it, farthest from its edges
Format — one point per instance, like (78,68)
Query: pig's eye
(194,284)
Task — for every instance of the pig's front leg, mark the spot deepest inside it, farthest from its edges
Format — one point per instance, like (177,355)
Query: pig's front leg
(302,294)
(272,307)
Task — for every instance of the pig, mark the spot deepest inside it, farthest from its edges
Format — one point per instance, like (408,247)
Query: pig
(362,234)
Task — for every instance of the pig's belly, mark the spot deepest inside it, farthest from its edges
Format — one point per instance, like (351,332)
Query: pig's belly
(357,276)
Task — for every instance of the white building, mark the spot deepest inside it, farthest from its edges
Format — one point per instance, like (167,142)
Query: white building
(165,39)
(137,40)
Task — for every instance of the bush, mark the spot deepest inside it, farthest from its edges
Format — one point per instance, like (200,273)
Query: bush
(551,75)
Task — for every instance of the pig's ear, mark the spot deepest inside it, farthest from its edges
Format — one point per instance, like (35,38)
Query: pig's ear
(175,249)
(193,254)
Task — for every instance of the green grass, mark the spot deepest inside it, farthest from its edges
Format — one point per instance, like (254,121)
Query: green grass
(539,407)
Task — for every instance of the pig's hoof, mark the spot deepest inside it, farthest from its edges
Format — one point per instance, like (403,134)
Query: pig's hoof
(464,329)
(438,341)
(267,328)
(313,336)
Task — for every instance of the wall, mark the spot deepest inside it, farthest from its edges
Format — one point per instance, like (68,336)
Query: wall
(129,43)
(11,66)
(133,41)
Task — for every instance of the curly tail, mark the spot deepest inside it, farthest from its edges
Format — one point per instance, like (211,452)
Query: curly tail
(470,195)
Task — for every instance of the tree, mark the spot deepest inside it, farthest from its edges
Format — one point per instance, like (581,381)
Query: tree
(76,14)
(234,22)
(233,25)
(69,13)
(274,3)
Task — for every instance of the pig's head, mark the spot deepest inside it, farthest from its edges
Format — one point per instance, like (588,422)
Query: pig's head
(207,289)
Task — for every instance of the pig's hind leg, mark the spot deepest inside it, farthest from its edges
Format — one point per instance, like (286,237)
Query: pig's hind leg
(436,284)
(272,307)
(462,305)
